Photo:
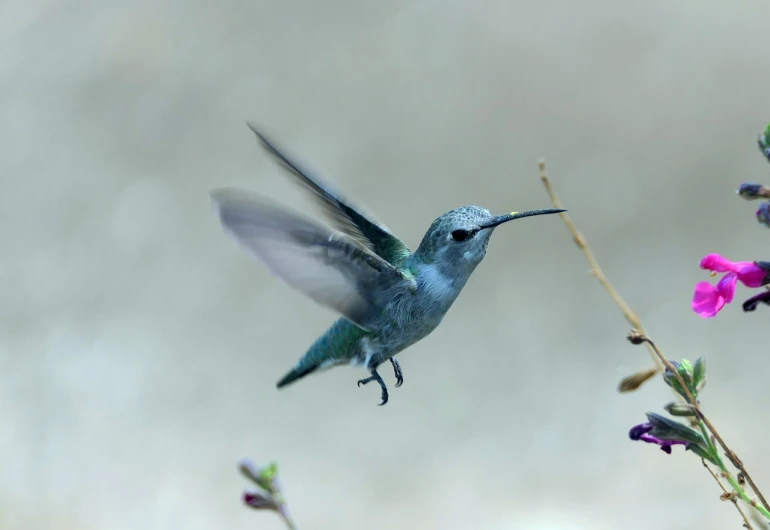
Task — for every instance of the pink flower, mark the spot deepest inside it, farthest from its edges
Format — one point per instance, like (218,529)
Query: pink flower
(709,299)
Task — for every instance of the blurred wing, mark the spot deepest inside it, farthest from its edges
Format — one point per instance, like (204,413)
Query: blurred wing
(325,265)
(350,220)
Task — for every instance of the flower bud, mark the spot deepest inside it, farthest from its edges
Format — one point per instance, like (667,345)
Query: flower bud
(635,337)
(679,409)
(763,142)
(634,381)
(259,501)
(763,214)
(699,374)
(685,370)
(751,191)
(752,303)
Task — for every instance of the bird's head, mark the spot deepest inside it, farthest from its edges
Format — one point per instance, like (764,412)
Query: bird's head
(460,237)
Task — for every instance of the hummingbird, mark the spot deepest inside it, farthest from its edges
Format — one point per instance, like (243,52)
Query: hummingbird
(387,297)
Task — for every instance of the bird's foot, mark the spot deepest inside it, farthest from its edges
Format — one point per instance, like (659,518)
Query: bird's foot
(376,377)
(397,371)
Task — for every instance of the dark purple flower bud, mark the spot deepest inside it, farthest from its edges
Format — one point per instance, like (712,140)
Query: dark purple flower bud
(752,303)
(752,191)
(763,214)
(259,501)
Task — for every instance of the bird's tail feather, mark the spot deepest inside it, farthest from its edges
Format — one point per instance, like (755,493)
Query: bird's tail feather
(298,372)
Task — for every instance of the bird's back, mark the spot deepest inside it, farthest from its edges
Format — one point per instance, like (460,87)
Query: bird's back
(340,342)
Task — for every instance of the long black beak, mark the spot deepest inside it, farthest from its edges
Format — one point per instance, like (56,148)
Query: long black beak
(500,219)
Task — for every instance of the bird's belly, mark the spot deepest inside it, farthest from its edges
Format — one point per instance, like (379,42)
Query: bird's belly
(397,337)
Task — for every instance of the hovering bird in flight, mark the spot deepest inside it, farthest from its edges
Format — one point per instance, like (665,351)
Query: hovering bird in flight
(388,296)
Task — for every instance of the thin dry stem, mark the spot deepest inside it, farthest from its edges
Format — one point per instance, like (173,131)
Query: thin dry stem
(634,320)
(746,522)
(596,271)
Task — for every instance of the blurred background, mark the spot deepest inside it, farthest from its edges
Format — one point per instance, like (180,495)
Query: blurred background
(139,347)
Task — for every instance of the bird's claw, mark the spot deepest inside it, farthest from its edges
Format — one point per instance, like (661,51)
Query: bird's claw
(397,371)
(376,377)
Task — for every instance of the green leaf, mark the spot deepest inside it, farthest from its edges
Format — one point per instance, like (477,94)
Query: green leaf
(270,471)
(262,476)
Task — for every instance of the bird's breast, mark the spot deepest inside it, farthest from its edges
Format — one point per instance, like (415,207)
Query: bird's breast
(435,289)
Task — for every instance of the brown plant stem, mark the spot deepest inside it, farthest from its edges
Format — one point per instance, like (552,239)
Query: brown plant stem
(596,270)
(633,319)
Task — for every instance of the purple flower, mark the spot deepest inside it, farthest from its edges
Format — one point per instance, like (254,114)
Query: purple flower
(666,433)
(709,299)
(642,432)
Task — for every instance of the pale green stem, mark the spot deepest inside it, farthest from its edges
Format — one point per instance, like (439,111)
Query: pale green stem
(282,510)
(729,476)
(288,521)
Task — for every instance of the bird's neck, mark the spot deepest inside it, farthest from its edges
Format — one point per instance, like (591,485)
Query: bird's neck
(438,280)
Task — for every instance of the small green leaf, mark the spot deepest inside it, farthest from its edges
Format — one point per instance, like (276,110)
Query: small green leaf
(270,470)
(262,476)
(667,429)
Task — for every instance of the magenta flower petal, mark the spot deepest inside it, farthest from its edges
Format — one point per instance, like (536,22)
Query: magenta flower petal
(716,263)
(706,301)
(726,287)
(751,275)
(748,272)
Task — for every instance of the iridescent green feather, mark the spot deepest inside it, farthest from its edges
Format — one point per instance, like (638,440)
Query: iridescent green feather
(349,219)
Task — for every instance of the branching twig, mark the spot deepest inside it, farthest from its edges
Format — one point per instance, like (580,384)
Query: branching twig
(268,495)
(660,359)
(746,522)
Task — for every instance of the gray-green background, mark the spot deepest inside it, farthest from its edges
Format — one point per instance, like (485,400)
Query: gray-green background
(139,348)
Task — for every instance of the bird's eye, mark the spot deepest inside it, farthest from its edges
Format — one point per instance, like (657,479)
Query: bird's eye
(460,235)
